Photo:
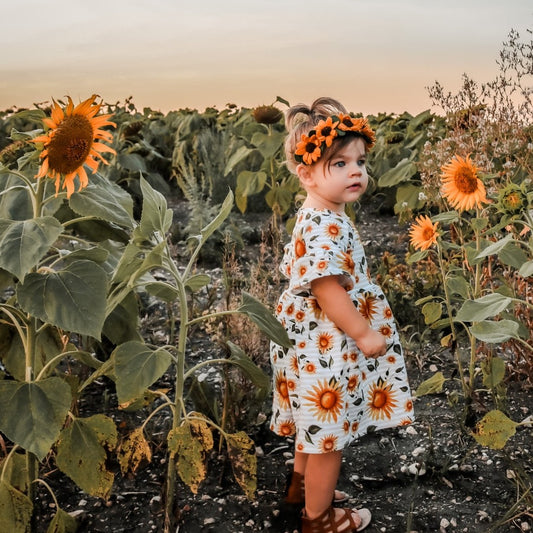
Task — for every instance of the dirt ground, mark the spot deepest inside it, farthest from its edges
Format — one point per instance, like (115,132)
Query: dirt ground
(428,477)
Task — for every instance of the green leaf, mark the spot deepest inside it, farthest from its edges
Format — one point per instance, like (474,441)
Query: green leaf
(268,144)
(82,453)
(197,282)
(156,218)
(132,162)
(433,385)
(403,171)
(481,308)
(162,290)
(248,183)
(458,285)
(33,413)
(242,153)
(224,212)
(137,367)
(264,319)
(494,430)
(104,200)
(513,255)
(62,523)
(495,332)
(417,256)
(448,217)
(24,243)
(15,472)
(122,323)
(495,247)
(258,377)
(493,371)
(526,270)
(432,311)
(73,299)
(16,510)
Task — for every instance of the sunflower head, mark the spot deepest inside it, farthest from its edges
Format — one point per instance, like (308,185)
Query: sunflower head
(423,233)
(512,199)
(267,114)
(461,185)
(74,139)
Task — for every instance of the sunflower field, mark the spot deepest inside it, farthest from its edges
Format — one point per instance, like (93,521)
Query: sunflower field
(112,218)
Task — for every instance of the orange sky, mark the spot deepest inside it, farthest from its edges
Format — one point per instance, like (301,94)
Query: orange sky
(374,56)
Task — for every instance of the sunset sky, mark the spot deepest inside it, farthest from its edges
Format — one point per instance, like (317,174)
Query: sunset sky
(373,55)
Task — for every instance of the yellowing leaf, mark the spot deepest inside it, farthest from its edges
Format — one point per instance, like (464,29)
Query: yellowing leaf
(62,523)
(433,385)
(241,451)
(494,430)
(133,451)
(15,510)
(81,453)
(190,443)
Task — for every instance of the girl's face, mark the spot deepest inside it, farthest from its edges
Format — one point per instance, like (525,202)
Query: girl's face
(333,184)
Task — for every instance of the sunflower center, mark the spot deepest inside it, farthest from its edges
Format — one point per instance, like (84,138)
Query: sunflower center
(466,181)
(310,148)
(328,400)
(283,390)
(326,131)
(379,400)
(427,234)
(71,144)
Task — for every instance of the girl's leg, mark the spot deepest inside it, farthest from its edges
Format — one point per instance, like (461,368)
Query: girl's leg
(300,462)
(321,474)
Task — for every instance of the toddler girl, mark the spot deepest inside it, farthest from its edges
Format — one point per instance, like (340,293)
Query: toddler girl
(345,374)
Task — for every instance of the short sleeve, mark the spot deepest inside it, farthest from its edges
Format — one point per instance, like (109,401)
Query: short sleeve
(321,247)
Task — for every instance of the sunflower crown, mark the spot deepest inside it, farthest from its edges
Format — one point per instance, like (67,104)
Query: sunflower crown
(311,147)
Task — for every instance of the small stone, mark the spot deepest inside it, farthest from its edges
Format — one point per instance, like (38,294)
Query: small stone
(444,523)
(259,451)
(524,526)
(410,430)
(250,523)
(418,451)
(82,503)
(287,455)
(208,521)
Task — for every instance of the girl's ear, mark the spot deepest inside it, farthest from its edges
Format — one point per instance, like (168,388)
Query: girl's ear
(304,173)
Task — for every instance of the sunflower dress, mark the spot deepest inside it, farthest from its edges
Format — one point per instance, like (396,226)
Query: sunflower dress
(325,392)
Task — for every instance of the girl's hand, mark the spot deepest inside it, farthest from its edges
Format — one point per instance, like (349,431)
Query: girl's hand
(372,344)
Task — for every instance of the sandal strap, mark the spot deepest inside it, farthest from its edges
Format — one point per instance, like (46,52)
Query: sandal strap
(326,523)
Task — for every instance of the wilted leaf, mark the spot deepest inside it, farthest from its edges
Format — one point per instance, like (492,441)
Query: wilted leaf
(432,311)
(62,523)
(15,510)
(493,371)
(190,443)
(241,451)
(134,451)
(82,453)
(16,471)
(494,430)
(433,385)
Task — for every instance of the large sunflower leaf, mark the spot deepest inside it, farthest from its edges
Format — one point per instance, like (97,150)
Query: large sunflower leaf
(33,413)
(155,217)
(15,509)
(81,453)
(73,299)
(25,242)
(482,308)
(137,367)
(105,200)
(264,319)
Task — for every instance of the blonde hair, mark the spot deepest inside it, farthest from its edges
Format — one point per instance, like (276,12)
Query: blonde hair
(300,119)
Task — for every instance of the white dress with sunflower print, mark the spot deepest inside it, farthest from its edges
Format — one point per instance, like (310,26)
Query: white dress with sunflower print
(326,393)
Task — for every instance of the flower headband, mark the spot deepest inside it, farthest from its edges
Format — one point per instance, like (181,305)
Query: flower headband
(310,148)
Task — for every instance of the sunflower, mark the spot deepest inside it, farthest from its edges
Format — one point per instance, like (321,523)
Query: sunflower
(333,231)
(461,185)
(308,149)
(73,141)
(299,247)
(368,305)
(328,443)
(287,428)
(423,233)
(326,400)
(382,400)
(282,389)
(325,131)
(267,114)
(324,342)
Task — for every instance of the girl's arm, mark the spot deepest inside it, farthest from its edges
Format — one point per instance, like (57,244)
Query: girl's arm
(339,308)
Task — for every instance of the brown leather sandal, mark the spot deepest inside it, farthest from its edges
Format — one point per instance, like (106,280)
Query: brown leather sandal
(345,523)
(295,491)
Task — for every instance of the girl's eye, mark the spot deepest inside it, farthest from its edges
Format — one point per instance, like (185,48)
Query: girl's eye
(361,162)
(340,163)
